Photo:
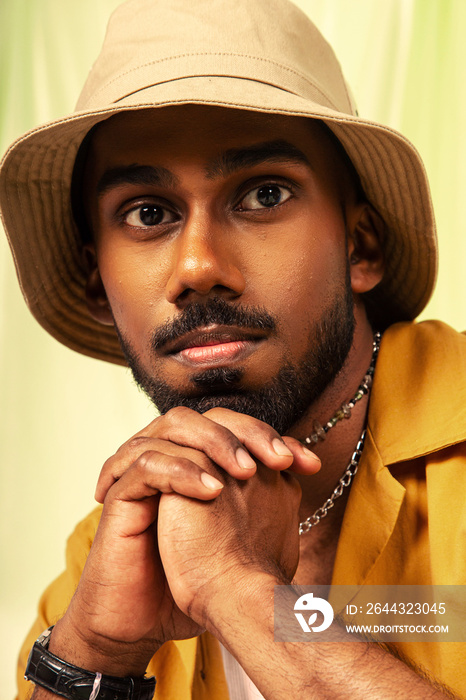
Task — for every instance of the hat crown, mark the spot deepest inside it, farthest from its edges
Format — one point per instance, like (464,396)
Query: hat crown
(149,42)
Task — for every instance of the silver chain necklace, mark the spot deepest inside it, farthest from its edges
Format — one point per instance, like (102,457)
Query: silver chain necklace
(320,433)
(345,481)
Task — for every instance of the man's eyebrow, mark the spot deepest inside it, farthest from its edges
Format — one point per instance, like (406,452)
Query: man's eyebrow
(267,152)
(136,175)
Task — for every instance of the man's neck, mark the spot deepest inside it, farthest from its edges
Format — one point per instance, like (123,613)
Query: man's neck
(340,442)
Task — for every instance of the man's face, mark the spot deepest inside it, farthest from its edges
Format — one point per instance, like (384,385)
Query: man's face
(221,244)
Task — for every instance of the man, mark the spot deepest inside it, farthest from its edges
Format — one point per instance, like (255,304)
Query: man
(218,217)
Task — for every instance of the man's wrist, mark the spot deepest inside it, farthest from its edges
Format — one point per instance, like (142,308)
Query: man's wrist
(253,592)
(52,673)
(100,654)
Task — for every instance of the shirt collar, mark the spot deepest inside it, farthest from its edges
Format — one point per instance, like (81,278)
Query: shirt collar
(418,401)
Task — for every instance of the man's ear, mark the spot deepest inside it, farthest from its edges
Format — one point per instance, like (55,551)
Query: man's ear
(96,297)
(365,231)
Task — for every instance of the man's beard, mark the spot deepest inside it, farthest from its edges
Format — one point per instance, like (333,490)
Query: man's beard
(286,397)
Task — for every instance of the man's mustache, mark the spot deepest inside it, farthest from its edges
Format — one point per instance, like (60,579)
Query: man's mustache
(214,311)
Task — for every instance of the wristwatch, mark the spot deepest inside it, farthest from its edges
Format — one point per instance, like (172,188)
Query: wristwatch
(68,681)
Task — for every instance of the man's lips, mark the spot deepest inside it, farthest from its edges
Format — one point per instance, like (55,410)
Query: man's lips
(213,345)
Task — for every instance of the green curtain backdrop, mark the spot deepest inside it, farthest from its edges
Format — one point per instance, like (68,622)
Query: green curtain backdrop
(62,415)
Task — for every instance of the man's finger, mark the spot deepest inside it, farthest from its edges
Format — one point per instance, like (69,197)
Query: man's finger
(155,472)
(273,450)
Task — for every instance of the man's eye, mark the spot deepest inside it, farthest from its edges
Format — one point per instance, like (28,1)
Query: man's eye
(149,215)
(267,196)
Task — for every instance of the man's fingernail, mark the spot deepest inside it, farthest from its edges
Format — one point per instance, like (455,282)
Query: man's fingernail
(310,454)
(280,448)
(244,459)
(211,482)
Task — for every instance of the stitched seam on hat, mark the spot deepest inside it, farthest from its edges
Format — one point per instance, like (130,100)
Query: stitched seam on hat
(213,75)
(238,55)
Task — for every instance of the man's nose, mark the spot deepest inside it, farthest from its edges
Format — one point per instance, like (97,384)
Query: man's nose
(204,261)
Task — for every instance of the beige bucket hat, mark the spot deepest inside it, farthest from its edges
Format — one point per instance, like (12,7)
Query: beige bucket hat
(261,55)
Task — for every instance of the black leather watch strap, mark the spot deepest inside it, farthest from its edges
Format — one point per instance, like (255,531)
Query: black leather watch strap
(68,681)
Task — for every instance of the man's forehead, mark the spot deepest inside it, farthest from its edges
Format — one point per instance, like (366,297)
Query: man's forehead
(225,140)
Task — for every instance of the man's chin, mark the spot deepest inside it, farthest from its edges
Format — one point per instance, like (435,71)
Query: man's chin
(255,404)
(232,400)
(280,403)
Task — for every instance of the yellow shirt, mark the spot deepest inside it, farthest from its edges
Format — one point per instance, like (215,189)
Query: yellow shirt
(405,522)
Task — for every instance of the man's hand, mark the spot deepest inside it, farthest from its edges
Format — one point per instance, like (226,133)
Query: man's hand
(214,551)
(123,609)
(229,439)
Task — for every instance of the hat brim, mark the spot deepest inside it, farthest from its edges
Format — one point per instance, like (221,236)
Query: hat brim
(35,199)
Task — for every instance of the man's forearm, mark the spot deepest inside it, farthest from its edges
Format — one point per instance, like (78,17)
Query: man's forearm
(339,669)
